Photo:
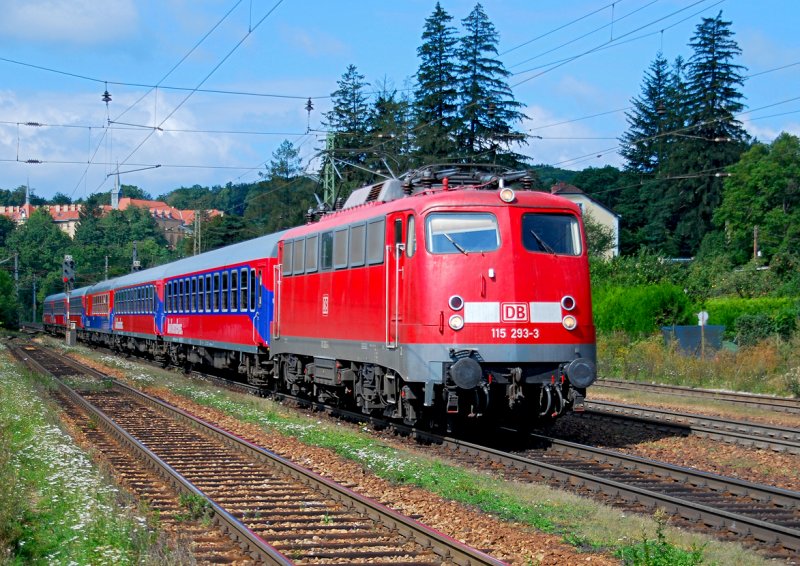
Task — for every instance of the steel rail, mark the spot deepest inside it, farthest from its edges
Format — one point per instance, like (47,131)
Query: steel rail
(257,547)
(771,402)
(449,549)
(750,434)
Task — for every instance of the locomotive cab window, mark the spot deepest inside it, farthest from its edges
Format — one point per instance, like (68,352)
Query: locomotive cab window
(551,233)
(461,232)
(411,236)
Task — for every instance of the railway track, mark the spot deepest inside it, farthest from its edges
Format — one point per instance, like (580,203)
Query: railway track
(774,403)
(748,434)
(279,512)
(763,517)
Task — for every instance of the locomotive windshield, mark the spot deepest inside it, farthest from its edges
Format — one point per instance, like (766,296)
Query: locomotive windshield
(461,232)
(551,233)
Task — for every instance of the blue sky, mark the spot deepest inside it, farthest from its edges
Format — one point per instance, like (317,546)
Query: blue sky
(56,54)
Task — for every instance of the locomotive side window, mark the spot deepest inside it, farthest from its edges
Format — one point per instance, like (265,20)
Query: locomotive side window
(461,232)
(298,256)
(376,238)
(311,254)
(411,236)
(287,257)
(208,293)
(340,248)
(326,251)
(551,233)
(357,244)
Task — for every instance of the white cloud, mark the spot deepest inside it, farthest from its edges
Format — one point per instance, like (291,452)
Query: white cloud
(83,22)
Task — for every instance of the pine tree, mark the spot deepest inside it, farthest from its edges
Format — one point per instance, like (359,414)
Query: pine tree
(643,142)
(488,110)
(714,138)
(436,97)
(390,128)
(349,120)
(285,163)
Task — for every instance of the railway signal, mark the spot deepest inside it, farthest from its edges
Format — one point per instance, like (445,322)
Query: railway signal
(68,270)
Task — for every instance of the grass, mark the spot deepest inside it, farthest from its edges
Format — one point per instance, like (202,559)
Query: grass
(55,506)
(581,522)
(772,366)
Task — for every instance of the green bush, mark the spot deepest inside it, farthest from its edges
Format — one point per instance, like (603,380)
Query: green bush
(782,315)
(641,310)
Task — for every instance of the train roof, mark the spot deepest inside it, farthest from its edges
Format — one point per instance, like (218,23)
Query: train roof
(80,292)
(264,246)
(458,196)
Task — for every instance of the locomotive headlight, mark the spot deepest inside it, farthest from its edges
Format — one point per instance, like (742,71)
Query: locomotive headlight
(456,303)
(569,322)
(507,195)
(456,322)
(567,303)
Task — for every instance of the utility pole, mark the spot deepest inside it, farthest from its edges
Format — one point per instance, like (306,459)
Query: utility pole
(33,302)
(16,271)
(106,271)
(755,243)
(196,234)
(328,172)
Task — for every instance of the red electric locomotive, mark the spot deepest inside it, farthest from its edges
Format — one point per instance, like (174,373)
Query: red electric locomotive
(445,293)
(441,294)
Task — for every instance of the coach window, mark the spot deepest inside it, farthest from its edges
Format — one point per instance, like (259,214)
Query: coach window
(254,288)
(215,294)
(243,283)
(234,290)
(357,244)
(224,292)
(340,248)
(298,256)
(201,294)
(411,236)
(152,298)
(326,251)
(311,253)
(196,296)
(208,293)
(168,297)
(287,257)
(187,296)
(376,237)
(137,307)
(173,307)
(180,296)
(192,300)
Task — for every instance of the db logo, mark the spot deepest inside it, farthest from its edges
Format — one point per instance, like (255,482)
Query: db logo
(515,312)
(324,305)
